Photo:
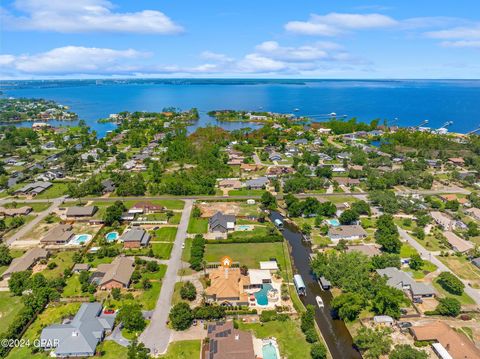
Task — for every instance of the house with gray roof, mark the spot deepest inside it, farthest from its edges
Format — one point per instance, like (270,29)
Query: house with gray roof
(79,211)
(80,336)
(61,234)
(275,156)
(108,186)
(34,188)
(135,238)
(401,280)
(257,183)
(347,232)
(300,141)
(222,223)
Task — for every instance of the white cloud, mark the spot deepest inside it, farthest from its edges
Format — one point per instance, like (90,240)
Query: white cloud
(214,56)
(472,32)
(73,60)
(336,23)
(312,52)
(461,43)
(75,16)
(253,63)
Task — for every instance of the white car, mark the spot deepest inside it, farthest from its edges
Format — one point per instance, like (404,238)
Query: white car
(319,301)
(183,245)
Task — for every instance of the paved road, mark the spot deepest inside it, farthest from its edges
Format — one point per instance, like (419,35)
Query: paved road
(34,222)
(426,254)
(157,335)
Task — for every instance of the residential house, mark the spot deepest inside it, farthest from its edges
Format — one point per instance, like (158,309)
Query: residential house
(222,223)
(444,221)
(346,181)
(135,238)
(80,267)
(456,344)
(229,183)
(116,274)
(226,342)
(300,141)
(34,188)
(344,156)
(401,280)
(257,183)
(368,249)
(146,207)
(60,234)
(226,287)
(457,161)
(458,244)
(108,186)
(13,212)
(80,212)
(474,213)
(248,167)
(275,157)
(275,171)
(25,262)
(347,232)
(80,336)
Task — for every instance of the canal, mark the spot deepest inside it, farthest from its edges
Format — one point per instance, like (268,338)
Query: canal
(334,332)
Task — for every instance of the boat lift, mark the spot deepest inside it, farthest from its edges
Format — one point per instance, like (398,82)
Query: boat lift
(473,131)
(443,130)
(418,127)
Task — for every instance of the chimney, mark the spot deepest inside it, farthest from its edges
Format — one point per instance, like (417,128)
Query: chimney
(237,337)
(226,273)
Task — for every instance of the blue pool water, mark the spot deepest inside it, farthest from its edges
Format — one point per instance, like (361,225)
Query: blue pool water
(269,351)
(81,239)
(261,295)
(333,222)
(243,227)
(111,236)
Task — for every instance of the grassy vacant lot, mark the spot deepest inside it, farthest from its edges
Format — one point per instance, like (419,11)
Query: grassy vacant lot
(186,250)
(289,337)
(427,267)
(462,267)
(63,260)
(258,231)
(245,192)
(464,298)
(53,314)
(57,190)
(249,254)
(162,250)
(73,287)
(165,234)
(197,225)
(9,307)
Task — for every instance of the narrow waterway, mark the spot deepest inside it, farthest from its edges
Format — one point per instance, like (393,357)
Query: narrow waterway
(335,333)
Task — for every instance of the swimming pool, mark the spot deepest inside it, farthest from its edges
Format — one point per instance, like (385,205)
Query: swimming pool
(111,236)
(243,227)
(261,296)
(269,351)
(333,222)
(80,239)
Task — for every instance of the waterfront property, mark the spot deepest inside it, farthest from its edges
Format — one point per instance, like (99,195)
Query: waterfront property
(347,232)
(80,336)
(220,224)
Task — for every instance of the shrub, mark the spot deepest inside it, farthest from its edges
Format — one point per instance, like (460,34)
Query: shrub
(318,351)
(451,283)
(188,291)
(311,335)
(196,252)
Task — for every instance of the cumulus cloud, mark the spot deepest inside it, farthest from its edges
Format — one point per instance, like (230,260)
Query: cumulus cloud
(472,32)
(316,51)
(86,16)
(215,56)
(73,60)
(336,23)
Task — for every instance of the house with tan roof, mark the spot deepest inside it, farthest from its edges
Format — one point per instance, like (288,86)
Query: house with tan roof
(60,234)
(227,286)
(25,262)
(458,244)
(229,183)
(13,212)
(456,344)
(474,213)
(116,274)
(444,221)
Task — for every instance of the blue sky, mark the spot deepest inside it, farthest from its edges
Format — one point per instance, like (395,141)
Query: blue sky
(251,39)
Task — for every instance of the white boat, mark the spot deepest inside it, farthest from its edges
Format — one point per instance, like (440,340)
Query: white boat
(333,114)
(319,301)
(296,109)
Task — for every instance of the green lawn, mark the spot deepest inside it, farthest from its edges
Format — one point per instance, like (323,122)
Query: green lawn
(57,190)
(9,307)
(461,267)
(289,337)
(15,253)
(186,250)
(198,225)
(165,234)
(63,260)
(185,349)
(112,350)
(258,231)
(73,287)
(427,267)
(245,192)
(249,254)
(464,298)
(176,293)
(162,250)
(406,251)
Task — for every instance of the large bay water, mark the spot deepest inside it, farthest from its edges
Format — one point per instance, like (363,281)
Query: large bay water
(409,101)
